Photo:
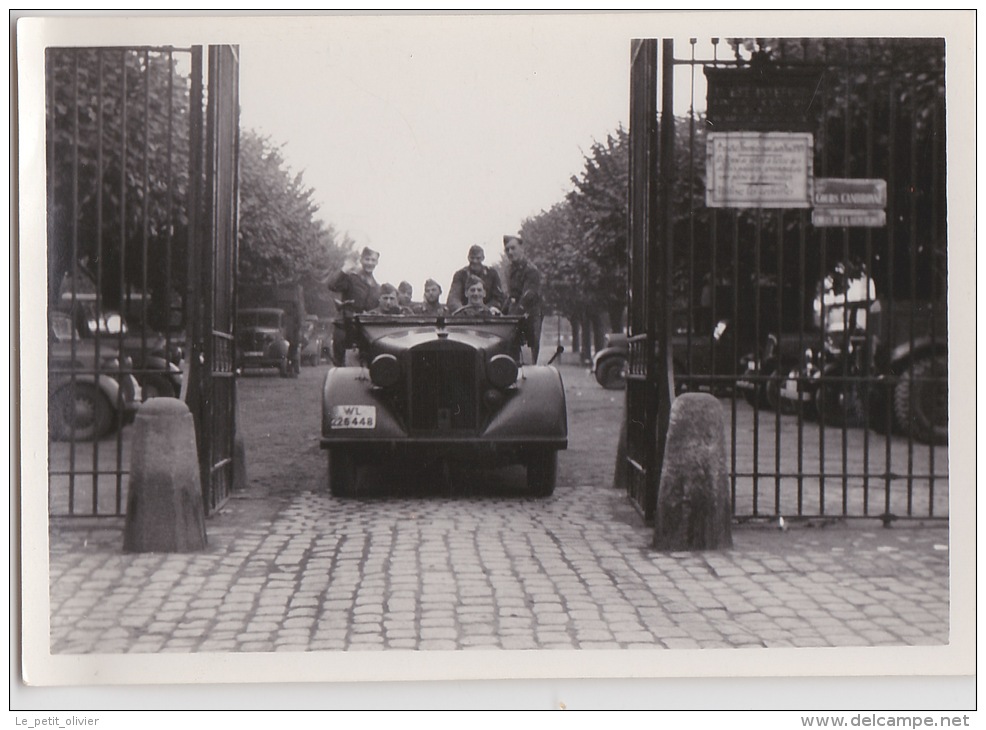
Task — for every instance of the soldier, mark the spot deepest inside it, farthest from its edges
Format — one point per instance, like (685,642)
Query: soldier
(360,292)
(475,298)
(489,276)
(431,306)
(389,303)
(524,291)
(404,294)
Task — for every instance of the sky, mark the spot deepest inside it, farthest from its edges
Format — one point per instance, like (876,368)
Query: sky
(422,137)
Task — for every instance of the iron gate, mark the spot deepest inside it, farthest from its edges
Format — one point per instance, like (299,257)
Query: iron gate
(141,190)
(818,316)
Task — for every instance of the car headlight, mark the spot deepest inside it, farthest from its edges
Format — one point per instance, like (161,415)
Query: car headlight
(385,371)
(501,371)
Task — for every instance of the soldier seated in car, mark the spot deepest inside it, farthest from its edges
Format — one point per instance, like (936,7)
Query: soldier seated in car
(475,306)
(388,302)
(431,306)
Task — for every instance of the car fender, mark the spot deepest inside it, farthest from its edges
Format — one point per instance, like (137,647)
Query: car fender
(278,349)
(606,353)
(903,355)
(536,410)
(345,387)
(108,385)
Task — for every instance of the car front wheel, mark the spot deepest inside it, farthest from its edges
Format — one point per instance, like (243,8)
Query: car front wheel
(921,401)
(612,373)
(542,472)
(81,412)
(342,474)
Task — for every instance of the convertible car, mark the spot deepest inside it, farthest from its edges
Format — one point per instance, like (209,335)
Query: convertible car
(442,388)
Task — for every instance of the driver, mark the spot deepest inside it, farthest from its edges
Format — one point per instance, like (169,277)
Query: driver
(475,297)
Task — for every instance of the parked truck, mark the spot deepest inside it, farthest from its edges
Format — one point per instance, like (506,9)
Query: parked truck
(269,327)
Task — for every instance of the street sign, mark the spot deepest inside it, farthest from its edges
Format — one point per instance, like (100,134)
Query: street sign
(840,192)
(840,217)
(758,169)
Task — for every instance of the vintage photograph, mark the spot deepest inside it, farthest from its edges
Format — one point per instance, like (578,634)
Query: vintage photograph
(390,347)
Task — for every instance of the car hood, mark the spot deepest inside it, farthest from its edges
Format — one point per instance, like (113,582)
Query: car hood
(396,334)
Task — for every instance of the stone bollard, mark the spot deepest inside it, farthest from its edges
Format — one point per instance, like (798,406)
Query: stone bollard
(693,504)
(165,512)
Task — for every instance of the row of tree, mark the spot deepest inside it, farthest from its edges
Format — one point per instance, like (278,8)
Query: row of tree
(879,114)
(120,145)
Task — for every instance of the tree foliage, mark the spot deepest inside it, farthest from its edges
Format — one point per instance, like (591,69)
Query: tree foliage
(118,167)
(281,238)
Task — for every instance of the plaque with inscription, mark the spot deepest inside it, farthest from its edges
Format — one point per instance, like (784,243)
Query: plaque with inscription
(762,98)
(758,170)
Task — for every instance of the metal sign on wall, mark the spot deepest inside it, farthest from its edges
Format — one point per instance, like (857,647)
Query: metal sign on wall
(759,170)
(857,202)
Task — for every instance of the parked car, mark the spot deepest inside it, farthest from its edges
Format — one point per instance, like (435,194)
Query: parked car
(261,340)
(91,388)
(155,359)
(313,339)
(702,360)
(863,361)
(442,388)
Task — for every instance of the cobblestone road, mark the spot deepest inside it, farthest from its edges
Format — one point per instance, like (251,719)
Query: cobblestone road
(290,568)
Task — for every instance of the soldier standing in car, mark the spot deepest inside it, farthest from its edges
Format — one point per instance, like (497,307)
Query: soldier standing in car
(431,306)
(524,291)
(489,276)
(360,292)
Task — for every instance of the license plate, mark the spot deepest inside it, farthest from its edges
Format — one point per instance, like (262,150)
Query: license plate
(253,353)
(353,417)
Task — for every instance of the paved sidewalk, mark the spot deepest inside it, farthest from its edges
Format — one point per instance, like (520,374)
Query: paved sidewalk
(306,572)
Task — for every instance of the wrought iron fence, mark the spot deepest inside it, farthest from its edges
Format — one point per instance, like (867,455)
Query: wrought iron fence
(124,170)
(820,321)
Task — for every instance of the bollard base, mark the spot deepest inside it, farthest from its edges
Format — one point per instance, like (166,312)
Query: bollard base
(694,510)
(165,512)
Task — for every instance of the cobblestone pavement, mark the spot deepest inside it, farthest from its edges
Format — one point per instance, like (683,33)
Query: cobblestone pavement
(573,571)
(290,568)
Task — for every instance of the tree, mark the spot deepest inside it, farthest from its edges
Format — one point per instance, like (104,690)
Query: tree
(281,239)
(118,169)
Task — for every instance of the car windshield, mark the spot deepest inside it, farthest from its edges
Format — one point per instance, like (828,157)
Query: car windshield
(269,320)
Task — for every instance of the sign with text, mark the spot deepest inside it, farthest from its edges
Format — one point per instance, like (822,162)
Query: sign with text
(758,169)
(840,192)
(846,217)
(764,98)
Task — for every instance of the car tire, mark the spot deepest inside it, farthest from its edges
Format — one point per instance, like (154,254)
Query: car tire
(342,474)
(757,395)
(772,391)
(80,412)
(156,386)
(611,373)
(542,472)
(921,407)
(839,405)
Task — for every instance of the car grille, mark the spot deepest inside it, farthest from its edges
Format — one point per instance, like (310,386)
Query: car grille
(443,390)
(255,341)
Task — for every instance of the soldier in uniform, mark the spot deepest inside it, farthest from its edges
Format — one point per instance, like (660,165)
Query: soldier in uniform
(475,300)
(389,303)
(524,291)
(404,294)
(431,306)
(489,276)
(360,291)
